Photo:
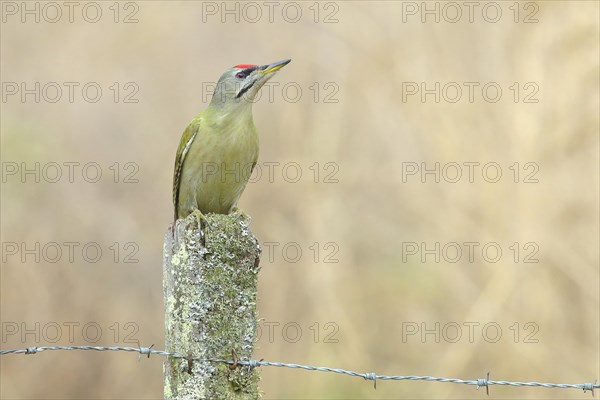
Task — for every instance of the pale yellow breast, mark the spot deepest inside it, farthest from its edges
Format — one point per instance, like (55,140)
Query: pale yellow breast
(218,166)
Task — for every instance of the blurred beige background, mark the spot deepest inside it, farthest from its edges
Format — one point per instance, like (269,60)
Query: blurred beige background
(352,62)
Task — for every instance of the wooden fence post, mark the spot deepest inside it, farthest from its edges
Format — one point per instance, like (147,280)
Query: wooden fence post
(210,286)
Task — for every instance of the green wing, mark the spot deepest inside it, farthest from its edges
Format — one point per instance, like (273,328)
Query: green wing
(184,146)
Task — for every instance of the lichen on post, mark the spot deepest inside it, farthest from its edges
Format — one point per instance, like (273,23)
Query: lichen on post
(211,265)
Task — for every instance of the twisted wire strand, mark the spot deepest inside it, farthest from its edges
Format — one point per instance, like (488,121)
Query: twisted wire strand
(372,376)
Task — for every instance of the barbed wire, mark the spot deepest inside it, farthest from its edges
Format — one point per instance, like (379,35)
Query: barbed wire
(372,376)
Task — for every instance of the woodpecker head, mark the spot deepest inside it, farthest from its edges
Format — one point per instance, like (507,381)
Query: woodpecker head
(239,85)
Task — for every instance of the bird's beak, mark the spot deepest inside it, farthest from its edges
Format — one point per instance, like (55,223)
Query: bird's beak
(270,68)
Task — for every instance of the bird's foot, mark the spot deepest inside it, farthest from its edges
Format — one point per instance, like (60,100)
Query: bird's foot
(201,221)
(239,213)
(199,218)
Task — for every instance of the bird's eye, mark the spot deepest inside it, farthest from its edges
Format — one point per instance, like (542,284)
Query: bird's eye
(240,75)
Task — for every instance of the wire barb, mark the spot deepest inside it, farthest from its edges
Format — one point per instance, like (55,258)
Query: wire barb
(371,376)
(590,387)
(144,350)
(253,364)
(484,382)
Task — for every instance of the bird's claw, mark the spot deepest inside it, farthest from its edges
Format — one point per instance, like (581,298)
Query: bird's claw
(199,217)
(239,213)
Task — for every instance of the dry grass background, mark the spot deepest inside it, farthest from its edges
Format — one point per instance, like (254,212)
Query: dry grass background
(368,133)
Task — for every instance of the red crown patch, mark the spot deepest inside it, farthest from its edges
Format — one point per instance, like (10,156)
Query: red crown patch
(244,66)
